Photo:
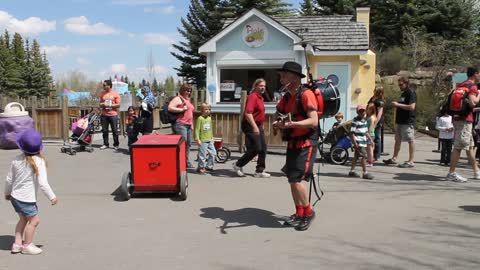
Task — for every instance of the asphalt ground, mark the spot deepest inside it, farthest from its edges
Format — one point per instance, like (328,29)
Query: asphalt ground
(403,219)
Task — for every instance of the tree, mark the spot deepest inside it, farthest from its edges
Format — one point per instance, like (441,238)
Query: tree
(13,81)
(307,8)
(235,8)
(155,87)
(169,86)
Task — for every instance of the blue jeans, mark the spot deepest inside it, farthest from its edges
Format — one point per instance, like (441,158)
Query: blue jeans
(111,121)
(186,132)
(206,148)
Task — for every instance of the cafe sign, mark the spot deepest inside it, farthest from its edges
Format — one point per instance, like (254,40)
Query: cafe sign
(254,34)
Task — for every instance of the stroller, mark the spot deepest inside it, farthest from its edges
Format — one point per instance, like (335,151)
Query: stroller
(82,134)
(340,143)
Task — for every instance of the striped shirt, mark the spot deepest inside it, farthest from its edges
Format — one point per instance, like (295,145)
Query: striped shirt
(360,128)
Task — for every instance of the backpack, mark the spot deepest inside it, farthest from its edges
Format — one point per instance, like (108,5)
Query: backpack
(318,98)
(457,101)
(166,116)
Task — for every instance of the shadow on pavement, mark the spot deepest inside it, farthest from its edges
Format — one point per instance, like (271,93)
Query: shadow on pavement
(6,242)
(416,177)
(471,208)
(244,217)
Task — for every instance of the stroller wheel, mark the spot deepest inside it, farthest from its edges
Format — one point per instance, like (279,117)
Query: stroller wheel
(63,150)
(338,155)
(222,155)
(73,152)
(89,149)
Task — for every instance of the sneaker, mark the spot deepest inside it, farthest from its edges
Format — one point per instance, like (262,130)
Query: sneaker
(190,166)
(292,221)
(201,170)
(103,147)
(369,164)
(16,248)
(455,177)
(476,175)
(353,174)
(305,222)
(389,161)
(31,249)
(209,169)
(237,170)
(406,165)
(261,175)
(368,176)
(116,148)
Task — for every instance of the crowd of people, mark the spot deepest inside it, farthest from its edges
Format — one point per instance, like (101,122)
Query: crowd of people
(28,171)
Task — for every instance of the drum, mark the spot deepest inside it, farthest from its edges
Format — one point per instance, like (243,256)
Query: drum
(331,98)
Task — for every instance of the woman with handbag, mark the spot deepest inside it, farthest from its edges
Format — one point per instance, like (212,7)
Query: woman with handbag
(182,106)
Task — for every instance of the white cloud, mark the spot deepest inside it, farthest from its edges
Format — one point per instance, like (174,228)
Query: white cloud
(164,10)
(29,26)
(56,51)
(118,68)
(82,61)
(158,39)
(81,25)
(139,2)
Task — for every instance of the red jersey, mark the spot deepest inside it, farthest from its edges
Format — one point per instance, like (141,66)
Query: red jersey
(256,106)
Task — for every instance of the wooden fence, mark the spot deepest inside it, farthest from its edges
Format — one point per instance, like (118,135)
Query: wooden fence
(53,117)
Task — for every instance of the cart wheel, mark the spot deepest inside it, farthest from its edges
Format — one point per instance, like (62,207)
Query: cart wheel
(229,152)
(183,186)
(125,186)
(338,155)
(222,155)
(63,150)
(73,152)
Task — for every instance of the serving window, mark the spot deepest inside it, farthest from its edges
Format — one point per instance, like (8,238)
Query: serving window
(233,81)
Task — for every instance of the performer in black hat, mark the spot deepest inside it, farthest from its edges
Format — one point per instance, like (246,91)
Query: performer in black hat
(301,132)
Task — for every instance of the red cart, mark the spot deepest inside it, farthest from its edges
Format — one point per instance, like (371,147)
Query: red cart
(158,165)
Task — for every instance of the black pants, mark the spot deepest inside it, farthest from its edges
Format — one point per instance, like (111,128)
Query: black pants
(378,142)
(256,145)
(113,122)
(446,150)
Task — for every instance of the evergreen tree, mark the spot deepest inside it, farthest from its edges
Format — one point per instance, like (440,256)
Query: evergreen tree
(235,8)
(307,8)
(41,78)
(18,52)
(47,77)
(13,81)
(170,86)
(155,85)
(3,57)
(27,73)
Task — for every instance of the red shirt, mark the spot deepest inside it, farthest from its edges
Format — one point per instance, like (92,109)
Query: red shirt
(256,107)
(111,97)
(473,92)
(288,104)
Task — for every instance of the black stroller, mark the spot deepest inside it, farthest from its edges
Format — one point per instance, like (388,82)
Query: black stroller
(339,141)
(82,135)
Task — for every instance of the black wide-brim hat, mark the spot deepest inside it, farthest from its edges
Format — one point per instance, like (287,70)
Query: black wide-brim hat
(293,67)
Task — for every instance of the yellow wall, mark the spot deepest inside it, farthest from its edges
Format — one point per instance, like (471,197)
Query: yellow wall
(361,76)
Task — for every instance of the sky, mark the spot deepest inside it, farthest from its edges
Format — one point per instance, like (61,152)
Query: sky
(101,38)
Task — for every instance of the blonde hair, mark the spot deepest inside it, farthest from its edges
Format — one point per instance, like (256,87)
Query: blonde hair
(205,106)
(338,115)
(257,81)
(29,159)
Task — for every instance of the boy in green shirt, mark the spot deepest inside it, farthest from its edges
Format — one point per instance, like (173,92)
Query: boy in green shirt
(204,139)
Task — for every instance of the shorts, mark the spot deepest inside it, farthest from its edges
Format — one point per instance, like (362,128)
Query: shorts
(300,161)
(405,133)
(360,152)
(463,138)
(27,209)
